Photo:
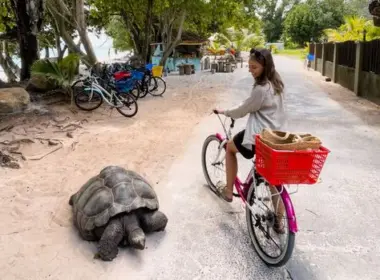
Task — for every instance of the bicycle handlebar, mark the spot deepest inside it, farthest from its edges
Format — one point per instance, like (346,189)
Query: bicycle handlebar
(232,120)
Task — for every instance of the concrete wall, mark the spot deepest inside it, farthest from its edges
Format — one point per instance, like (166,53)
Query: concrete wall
(345,76)
(329,69)
(369,85)
(319,64)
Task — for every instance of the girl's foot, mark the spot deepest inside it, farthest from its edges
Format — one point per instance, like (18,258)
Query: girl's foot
(222,188)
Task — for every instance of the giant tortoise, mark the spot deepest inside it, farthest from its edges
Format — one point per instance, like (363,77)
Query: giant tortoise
(116,206)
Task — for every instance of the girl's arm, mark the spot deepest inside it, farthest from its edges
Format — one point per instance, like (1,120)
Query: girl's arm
(251,104)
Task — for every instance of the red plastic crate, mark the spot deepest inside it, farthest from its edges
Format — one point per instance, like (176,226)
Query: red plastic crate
(289,167)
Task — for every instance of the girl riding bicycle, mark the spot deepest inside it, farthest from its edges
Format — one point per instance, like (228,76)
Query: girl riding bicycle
(265,107)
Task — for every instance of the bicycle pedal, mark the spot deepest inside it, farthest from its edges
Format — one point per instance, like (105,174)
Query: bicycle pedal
(235,194)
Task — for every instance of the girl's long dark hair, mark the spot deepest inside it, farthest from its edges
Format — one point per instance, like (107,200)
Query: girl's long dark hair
(264,57)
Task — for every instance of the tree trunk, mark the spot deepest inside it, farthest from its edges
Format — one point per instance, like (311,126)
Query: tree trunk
(15,68)
(134,30)
(61,14)
(147,39)
(47,53)
(29,15)
(82,30)
(170,45)
(4,64)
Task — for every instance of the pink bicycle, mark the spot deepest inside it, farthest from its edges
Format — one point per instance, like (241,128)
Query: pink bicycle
(270,215)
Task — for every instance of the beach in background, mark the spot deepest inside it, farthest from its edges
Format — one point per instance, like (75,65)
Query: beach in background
(102,45)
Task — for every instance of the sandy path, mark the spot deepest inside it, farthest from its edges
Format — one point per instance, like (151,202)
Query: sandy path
(36,233)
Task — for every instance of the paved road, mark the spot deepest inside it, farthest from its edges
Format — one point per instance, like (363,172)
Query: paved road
(338,218)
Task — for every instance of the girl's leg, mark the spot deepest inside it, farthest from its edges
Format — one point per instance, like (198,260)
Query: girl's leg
(279,209)
(231,168)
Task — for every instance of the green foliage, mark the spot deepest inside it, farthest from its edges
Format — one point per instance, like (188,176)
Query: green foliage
(358,8)
(302,24)
(122,40)
(298,53)
(308,20)
(274,49)
(353,30)
(62,72)
(7,19)
(202,16)
(273,14)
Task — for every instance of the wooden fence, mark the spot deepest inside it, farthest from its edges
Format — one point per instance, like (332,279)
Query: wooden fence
(329,50)
(354,65)
(347,53)
(371,56)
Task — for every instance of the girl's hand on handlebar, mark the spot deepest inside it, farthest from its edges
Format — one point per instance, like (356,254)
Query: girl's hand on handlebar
(217,111)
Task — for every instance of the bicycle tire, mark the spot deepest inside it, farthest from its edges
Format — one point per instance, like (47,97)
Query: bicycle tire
(131,101)
(274,262)
(206,143)
(82,94)
(84,81)
(144,87)
(156,85)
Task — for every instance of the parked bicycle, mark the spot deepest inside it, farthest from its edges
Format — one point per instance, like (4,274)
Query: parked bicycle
(90,94)
(266,198)
(147,82)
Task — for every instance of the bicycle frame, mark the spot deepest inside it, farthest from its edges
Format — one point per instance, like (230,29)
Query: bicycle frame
(243,187)
(101,90)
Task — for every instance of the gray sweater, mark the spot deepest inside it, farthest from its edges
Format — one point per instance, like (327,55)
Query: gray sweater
(265,109)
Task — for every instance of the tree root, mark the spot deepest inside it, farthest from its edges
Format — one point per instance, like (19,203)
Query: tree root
(44,155)
(7,128)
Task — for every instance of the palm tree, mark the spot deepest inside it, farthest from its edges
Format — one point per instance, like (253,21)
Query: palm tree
(62,72)
(353,30)
(241,39)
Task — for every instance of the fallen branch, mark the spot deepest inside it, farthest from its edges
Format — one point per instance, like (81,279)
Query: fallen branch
(22,140)
(44,155)
(73,145)
(50,139)
(22,134)
(72,124)
(60,121)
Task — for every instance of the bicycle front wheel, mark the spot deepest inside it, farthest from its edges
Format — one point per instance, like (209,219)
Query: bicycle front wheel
(213,161)
(129,106)
(268,214)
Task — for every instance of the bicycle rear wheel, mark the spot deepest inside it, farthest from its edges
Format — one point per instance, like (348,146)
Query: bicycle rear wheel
(129,108)
(136,91)
(261,226)
(157,86)
(144,86)
(87,99)
(217,161)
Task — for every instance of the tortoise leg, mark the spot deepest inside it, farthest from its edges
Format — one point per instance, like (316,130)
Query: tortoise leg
(111,237)
(134,233)
(153,221)
(71,201)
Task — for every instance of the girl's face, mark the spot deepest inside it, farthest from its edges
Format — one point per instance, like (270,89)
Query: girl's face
(255,68)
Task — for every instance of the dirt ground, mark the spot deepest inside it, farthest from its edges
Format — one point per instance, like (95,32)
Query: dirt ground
(35,213)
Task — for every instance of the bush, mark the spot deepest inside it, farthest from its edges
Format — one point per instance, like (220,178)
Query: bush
(273,49)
